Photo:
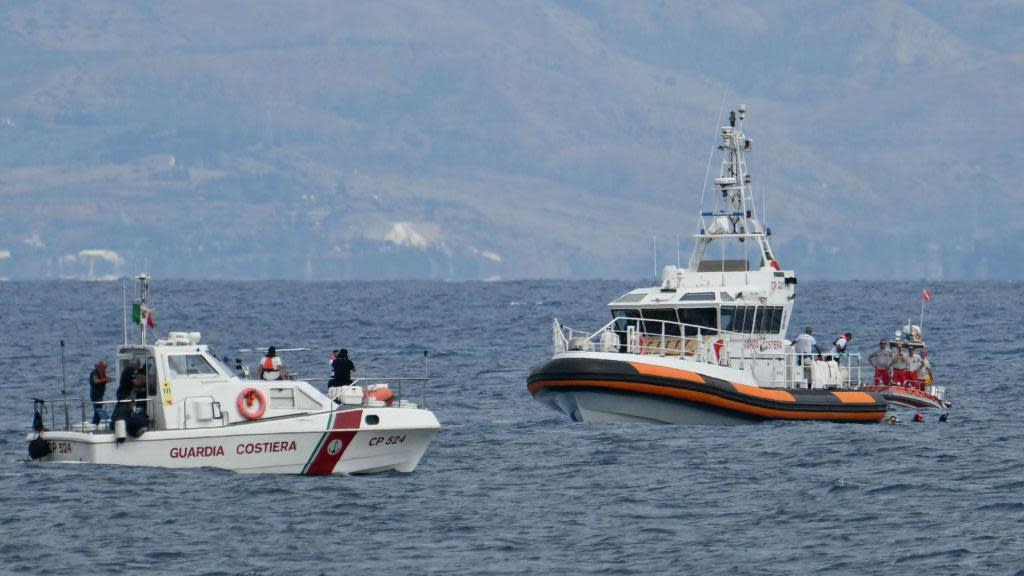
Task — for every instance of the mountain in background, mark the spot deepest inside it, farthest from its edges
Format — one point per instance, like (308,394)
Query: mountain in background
(477,140)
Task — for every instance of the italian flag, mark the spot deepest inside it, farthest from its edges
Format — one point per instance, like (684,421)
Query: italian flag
(141,314)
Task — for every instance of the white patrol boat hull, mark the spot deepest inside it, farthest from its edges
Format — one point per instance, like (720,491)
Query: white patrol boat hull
(352,441)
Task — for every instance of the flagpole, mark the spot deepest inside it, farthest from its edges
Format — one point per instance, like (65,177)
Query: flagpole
(124,307)
(922,317)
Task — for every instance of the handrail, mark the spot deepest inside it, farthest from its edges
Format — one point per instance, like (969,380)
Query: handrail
(84,402)
(703,344)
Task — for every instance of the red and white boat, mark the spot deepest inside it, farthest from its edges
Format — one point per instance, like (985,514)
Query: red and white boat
(197,412)
(905,389)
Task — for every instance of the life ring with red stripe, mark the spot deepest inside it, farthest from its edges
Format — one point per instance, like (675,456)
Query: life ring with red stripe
(252,403)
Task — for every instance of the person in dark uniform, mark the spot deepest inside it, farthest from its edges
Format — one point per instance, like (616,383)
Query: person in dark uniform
(98,380)
(342,367)
(125,387)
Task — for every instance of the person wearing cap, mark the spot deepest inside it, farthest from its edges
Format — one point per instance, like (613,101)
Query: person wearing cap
(804,344)
(98,381)
(881,359)
(271,367)
(341,370)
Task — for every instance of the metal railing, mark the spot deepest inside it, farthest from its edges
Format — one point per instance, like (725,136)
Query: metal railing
(703,344)
(399,393)
(668,339)
(86,405)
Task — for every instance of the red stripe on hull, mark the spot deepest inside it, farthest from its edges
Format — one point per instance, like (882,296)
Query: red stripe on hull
(324,461)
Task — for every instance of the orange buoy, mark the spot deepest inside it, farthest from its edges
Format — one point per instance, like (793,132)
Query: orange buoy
(383,394)
(252,403)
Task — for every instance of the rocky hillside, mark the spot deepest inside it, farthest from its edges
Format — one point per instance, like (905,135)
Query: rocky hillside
(477,140)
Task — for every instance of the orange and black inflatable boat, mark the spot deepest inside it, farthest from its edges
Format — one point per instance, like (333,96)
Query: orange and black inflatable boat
(603,390)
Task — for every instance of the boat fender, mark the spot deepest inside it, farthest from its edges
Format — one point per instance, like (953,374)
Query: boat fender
(120,430)
(136,424)
(246,400)
(38,448)
(382,393)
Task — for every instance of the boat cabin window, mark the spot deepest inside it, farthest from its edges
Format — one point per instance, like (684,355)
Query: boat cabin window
(190,365)
(752,319)
(663,318)
(697,296)
(705,318)
(292,398)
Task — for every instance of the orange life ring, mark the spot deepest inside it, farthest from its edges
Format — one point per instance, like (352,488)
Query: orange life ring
(245,403)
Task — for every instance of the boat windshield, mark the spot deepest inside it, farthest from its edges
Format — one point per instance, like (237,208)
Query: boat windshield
(220,363)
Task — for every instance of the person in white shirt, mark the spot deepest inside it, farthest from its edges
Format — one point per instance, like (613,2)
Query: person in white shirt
(804,344)
(271,367)
(839,346)
(924,373)
(881,360)
(913,365)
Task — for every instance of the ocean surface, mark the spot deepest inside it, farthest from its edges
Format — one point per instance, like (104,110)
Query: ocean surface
(510,486)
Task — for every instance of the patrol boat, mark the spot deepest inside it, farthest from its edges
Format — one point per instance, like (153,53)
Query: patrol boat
(194,411)
(707,345)
(903,389)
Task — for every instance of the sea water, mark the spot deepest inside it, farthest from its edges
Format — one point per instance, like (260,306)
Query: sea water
(510,486)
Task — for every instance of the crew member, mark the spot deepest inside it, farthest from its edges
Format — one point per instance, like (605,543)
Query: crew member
(125,387)
(899,366)
(271,367)
(341,370)
(804,343)
(840,343)
(913,365)
(98,381)
(881,359)
(330,362)
(924,373)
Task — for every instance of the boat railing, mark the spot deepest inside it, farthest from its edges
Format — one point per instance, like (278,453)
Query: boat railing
(650,337)
(80,407)
(800,370)
(712,346)
(407,389)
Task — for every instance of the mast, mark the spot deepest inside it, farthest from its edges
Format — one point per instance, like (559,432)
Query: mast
(735,214)
(141,309)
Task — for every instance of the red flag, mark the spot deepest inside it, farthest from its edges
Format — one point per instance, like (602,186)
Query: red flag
(926,295)
(152,324)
